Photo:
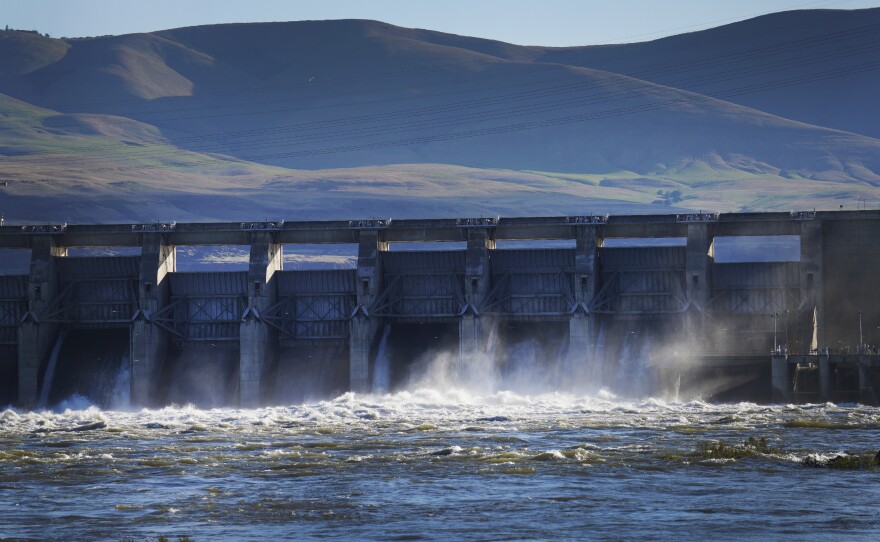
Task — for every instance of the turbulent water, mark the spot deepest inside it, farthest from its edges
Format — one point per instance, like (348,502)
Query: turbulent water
(427,464)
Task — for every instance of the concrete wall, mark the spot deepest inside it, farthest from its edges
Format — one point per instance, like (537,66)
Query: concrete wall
(849,252)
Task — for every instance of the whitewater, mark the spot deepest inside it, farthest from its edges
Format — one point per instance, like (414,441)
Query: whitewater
(443,464)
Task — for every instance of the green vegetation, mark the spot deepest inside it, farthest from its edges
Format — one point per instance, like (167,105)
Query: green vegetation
(861,461)
(752,446)
(761,446)
(722,450)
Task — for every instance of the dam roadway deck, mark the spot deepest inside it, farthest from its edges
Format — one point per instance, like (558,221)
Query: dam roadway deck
(709,316)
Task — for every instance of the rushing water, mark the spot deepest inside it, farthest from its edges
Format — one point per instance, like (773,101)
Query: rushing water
(426,464)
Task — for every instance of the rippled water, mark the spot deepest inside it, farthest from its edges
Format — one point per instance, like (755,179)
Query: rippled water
(432,465)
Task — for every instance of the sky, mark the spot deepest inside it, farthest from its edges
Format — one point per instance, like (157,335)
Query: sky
(524,22)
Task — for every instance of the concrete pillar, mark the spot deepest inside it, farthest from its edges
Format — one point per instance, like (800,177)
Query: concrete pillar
(780,383)
(825,376)
(867,393)
(582,325)
(360,344)
(698,263)
(258,340)
(35,338)
(698,267)
(365,326)
(472,334)
(149,342)
(811,278)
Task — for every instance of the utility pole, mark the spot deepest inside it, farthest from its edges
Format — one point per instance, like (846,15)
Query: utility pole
(861,336)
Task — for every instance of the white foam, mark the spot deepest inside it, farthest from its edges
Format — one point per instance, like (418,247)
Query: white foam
(444,409)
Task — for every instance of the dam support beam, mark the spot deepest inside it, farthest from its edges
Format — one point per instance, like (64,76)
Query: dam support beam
(825,376)
(698,265)
(867,394)
(365,325)
(471,341)
(472,332)
(582,325)
(581,346)
(361,342)
(258,340)
(36,337)
(811,280)
(149,342)
(780,385)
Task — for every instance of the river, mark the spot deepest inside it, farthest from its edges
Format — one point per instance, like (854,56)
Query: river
(428,464)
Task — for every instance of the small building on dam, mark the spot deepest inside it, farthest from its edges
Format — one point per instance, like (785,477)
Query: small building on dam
(607,300)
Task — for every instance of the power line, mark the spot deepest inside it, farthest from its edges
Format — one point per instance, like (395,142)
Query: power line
(642,74)
(539,93)
(568,119)
(417,71)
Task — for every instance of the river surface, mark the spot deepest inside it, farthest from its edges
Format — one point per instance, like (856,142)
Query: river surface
(426,465)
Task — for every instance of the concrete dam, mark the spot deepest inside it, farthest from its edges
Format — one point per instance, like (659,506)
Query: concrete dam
(799,330)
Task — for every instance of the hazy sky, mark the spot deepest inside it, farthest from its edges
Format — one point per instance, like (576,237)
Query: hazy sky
(536,22)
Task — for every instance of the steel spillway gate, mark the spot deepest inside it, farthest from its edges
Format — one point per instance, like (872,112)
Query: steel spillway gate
(205,307)
(531,284)
(313,306)
(13,305)
(641,281)
(421,286)
(94,292)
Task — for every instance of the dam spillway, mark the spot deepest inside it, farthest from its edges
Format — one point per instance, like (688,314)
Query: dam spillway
(705,320)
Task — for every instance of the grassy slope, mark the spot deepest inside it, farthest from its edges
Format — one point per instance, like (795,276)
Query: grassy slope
(205,72)
(192,186)
(24,52)
(102,168)
(771,48)
(86,168)
(85,172)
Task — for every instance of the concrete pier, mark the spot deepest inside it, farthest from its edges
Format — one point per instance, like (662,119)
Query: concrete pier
(258,340)
(867,393)
(825,376)
(698,266)
(582,324)
(780,380)
(472,323)
(149,341)
(364,323)
(36,337)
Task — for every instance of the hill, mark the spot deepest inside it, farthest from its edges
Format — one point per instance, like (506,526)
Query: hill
(359,118)
(815,66)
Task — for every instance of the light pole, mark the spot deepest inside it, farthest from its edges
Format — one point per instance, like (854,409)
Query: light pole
(861,335)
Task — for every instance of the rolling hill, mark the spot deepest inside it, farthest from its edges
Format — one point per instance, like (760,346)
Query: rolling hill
(361,118)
